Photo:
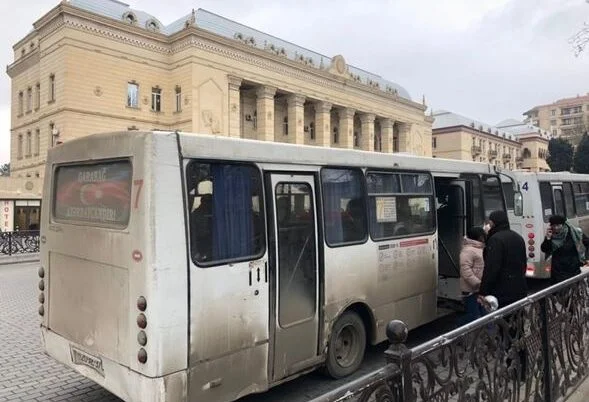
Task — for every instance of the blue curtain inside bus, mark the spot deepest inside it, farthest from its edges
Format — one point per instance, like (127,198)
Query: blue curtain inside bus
(232,212)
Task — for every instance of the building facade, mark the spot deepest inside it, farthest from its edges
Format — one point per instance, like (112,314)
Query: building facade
(459,137)
(568,118)
(90,66)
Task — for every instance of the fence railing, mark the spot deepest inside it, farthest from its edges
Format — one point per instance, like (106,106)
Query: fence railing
(534,350)
(20,242)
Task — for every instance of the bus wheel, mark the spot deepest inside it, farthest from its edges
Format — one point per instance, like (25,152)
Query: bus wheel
(347,344)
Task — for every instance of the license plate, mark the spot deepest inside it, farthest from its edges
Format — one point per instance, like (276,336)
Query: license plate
(82,358)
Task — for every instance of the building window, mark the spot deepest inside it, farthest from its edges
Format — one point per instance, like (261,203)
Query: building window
(285,126)
(553,122)
(156,99)
(255,120)
(335,135)
(132,95)
(19,147)
(37,142)
(51,136)
(553,112)
(178,99)
(37,96)
(29,144)
(554,132)
(21,100)
(312,130)
(356,139)
(435,142)
(52,88)
(29,99)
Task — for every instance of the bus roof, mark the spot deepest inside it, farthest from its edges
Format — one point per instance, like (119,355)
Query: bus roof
(552,176)
(226,148)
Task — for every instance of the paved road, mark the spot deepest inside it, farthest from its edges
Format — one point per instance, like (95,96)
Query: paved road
(27,374)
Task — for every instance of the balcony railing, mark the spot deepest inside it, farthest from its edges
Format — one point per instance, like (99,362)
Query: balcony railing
(492,154)
(21,242)
(519,159)
(476,150)
(506,157)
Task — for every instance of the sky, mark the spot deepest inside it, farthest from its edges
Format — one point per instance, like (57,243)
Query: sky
(485,59)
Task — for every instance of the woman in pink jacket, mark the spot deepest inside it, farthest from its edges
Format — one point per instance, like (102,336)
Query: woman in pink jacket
(471,273)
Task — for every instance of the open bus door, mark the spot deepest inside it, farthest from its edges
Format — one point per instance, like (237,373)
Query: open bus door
(452,206)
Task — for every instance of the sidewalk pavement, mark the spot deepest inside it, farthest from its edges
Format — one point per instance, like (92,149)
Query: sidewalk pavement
(581,394)
(17,258)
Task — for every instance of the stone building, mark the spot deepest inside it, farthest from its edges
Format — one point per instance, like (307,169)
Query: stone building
(93,66)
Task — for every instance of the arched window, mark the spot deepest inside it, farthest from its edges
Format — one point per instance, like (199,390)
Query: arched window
(526,153)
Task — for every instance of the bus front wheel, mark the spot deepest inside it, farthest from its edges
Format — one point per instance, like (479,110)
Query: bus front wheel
(347,344)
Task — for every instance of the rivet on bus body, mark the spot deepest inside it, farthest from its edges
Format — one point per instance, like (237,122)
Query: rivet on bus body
(141,321)
(41,298)
(142,338)
(41,310)
(41,285)
(142,355)
(141,303)
(41,272)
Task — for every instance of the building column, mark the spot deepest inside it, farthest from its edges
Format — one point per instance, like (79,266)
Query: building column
(367,132)
(265,113)
(404,137)
(296,119)
(234,106)
(323,123)
(346,128)
(386,134)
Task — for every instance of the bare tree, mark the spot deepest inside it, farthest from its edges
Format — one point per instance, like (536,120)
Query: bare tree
(580,40)
(575,133)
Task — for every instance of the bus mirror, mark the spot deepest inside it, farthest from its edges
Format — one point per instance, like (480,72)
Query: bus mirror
(518,204)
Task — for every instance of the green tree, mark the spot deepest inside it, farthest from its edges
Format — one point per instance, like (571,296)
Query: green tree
(5,169)
(581,160)
(560,155)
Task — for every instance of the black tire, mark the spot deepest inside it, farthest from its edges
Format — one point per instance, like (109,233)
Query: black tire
(346,347)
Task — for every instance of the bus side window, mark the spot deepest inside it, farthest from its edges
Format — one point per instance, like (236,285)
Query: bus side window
(569,200)
(344,205)
(581,191)
(399,205)
(546,198)
(224,206)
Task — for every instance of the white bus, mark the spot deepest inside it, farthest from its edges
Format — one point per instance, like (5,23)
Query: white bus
(182,267)
(546,194)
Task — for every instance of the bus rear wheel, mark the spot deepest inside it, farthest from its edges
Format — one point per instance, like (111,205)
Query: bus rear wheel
(347,344)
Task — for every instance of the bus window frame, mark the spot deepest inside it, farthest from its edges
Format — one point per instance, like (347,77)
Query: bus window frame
(502,194)
(430,195)
(572,194)
(545,217)
(57,166)
(364,240)
(576,193)
(471,177)
(263,211)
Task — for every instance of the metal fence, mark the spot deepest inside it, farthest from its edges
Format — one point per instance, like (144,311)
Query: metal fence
(20,242)
(534,350)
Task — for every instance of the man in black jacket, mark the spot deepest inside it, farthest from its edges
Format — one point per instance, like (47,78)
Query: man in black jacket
(505,257)
(567,245)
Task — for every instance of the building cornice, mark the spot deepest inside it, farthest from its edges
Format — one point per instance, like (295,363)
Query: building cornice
(24,63)
(199,38)
(453,129)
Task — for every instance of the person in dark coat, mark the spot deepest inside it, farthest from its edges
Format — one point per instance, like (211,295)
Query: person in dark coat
(505,258)
(566,245)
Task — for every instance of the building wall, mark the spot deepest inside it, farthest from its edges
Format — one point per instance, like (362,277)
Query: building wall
(93,62)
(561,118)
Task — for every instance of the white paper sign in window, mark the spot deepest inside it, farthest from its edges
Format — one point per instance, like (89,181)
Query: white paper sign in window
(386,209)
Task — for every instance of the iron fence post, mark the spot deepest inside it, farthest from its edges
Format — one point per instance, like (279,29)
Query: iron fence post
(399,356)
(9,243)
(545,336)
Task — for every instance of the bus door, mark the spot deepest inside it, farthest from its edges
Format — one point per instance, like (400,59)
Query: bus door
(294,271)
(453,219)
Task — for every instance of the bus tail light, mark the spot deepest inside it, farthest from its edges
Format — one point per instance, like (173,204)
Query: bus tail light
(41,273)
(548,268)
(531,242)
(531,235)
(531,255)
(142,323)
(531,248)
(142,356)
(530,270)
